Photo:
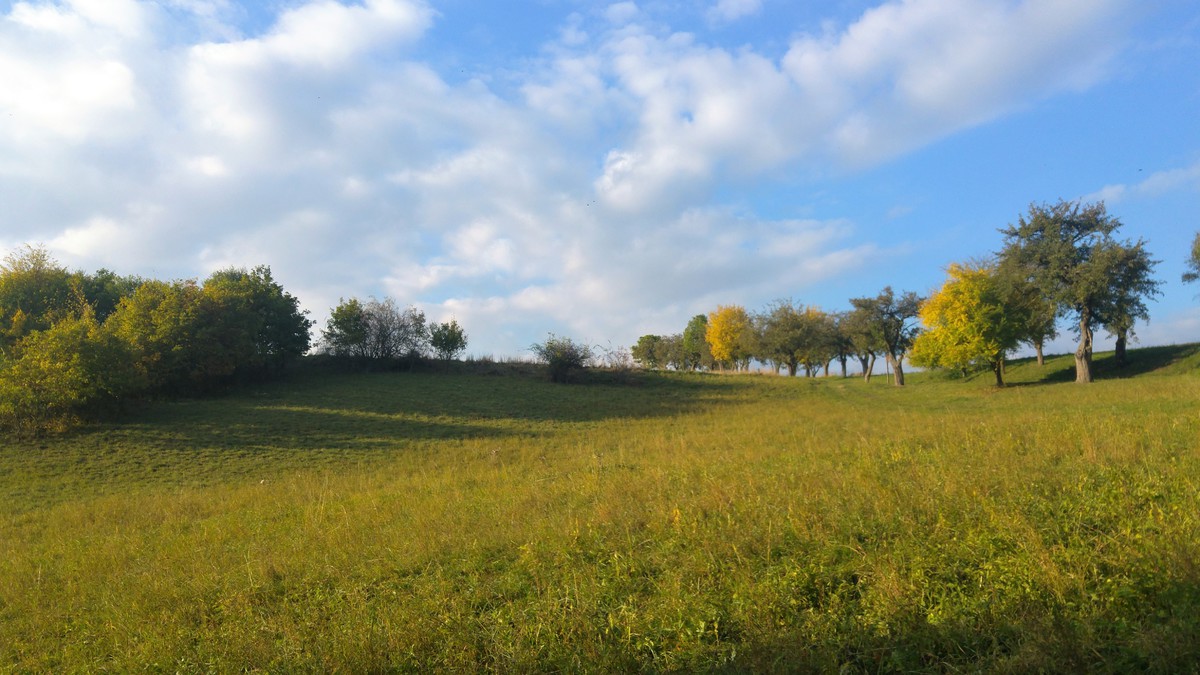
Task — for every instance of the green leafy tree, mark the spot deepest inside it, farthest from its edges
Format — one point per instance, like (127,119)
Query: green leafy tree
(1193,262)
(172,331)
(35,291)
(72,367)
(859,329)
(1126,304)
(447,339)
(1069,254)
(841,342)
(563,356)
(104,289)
(793,335)
(696,353)
(646,352)
(889,324)
(970,322)
(375,330)
(346,330)
(256,314)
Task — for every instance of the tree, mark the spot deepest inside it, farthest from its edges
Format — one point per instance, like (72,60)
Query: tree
(35,291)
(646,352)
(447,339)
(858,325)
(1193,262)
(562,356)
(56,373)
(889,324)
(346,329)
(375,330)
(1069,254)
(258,315)
(1132,284)
(695,352)
(970,322)
(104,289)
(841,342)
(176,336)
(729,334)
(783,335)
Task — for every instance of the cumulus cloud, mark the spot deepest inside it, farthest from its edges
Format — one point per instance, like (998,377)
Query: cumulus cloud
(579,196)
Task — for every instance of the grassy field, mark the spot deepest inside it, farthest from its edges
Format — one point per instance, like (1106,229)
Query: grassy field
(412,522)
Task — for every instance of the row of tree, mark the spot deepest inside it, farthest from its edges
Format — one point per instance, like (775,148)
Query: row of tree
(788,335)
(72,342)
(1058,261)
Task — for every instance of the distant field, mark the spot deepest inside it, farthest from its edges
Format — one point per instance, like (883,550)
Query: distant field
(413,522)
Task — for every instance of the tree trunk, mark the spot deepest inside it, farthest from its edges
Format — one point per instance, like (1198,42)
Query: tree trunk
(998,368)
(792,365)
(827,369)
(1083,354)
(868,367)
(1037,346)
(1122,341)
(842,359)
(898,367)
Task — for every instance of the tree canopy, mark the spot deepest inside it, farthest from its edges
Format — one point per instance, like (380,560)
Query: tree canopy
(1067,252)
(969,322)
(1193,262)
(729,335)
(888,324)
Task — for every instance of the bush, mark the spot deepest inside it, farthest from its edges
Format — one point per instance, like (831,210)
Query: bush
(54,375)
(562,356)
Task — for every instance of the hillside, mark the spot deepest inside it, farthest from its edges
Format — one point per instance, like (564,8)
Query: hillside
(666,522)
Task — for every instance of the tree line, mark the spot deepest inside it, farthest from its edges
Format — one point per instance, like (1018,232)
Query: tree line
(75,344)
(1059,261)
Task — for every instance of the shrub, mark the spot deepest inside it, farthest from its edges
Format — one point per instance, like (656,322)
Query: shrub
(562,356)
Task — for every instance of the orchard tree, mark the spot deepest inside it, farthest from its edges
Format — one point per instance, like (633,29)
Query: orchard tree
(783,335)
(447,339)
(889,323)
(695,353)
(1069,254)
(858,327)
(646,351)
(841,342)
(729,334)
(1193,262)
(969,322)
(1126,304)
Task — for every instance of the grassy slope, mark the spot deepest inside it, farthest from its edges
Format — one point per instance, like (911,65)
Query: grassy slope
(411,522)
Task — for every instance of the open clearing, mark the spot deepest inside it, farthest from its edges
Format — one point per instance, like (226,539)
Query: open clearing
(409,522)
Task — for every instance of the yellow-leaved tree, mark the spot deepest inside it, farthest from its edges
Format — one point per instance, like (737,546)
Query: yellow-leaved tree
(970,322)
(729,335)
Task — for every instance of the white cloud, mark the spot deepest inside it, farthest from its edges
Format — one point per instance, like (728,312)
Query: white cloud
(1154,185)
(583,204)
(732,10)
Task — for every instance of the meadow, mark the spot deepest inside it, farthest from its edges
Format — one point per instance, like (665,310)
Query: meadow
(661,522)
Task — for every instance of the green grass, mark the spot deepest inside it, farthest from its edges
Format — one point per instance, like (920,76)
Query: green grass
(415,522)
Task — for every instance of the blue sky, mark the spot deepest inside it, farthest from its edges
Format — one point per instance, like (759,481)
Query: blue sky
(596,170)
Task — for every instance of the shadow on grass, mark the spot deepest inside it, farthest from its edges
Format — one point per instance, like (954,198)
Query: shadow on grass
(1059,368)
